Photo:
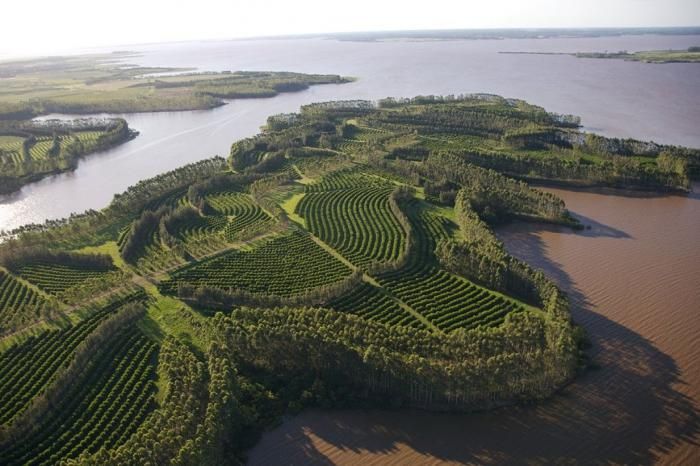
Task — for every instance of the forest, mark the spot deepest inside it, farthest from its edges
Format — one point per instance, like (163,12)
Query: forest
(343,257)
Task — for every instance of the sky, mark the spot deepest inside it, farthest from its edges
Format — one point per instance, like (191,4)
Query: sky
(40,27)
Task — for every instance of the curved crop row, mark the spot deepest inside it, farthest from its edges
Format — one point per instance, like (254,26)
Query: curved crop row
(448,301)
(56,278)
(198,420)
(358,222)
(41,148)
(154,257)
(11,149)
(351,146)
(179,231)
(346,179)
(102,410)
(371,303)
(284,266)
(199,227)
(172,199)
(29,367)
(18,303)
(242,211)
(123,236)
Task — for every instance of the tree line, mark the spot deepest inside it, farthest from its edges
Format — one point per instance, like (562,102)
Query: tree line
(15,257)
(525,358)
(670,172)
(206,297)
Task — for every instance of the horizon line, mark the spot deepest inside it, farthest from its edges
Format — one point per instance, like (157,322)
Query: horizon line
(691,30)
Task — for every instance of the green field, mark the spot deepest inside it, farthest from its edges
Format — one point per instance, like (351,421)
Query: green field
(102,410)
(283,266)
(351,212)
(31,365)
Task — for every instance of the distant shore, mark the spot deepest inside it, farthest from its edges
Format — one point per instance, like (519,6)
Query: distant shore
(691,55)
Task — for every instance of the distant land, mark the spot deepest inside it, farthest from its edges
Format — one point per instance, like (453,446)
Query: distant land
(537,33)
(88,84)
(690,55)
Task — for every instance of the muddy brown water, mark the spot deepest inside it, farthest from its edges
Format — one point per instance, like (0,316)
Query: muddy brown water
(634,281)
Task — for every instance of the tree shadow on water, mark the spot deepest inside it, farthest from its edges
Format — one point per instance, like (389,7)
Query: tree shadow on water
(592,229)
(630,411)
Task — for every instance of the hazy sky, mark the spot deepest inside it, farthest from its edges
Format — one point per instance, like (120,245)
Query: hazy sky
(32,27)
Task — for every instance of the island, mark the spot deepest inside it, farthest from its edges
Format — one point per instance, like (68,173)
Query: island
(343,257)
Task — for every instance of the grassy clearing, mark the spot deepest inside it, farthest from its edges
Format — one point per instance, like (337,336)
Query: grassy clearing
(290,207)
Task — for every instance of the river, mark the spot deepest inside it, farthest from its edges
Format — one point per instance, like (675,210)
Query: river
(626,99)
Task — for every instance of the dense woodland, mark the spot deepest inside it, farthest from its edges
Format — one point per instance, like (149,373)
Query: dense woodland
(343,257)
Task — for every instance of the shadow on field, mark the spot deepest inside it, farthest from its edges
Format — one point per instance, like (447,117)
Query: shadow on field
(627,412)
